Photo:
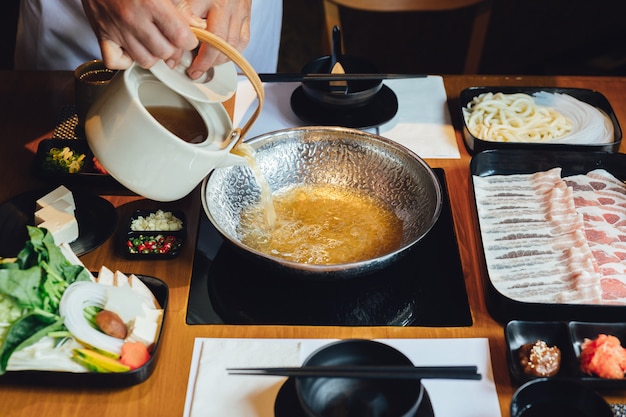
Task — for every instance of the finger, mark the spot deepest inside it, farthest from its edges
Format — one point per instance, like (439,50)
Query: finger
(114,56)
(174,20)
(185,9)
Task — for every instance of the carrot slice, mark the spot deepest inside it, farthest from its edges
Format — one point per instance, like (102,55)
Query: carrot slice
(134,354)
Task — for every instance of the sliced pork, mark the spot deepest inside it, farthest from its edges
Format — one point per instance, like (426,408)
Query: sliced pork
(549,239)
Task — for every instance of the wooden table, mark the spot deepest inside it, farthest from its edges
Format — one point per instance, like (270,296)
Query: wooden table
(30,103)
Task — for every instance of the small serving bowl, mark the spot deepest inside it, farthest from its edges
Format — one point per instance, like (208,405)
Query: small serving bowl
(356,94)
(519,332)
(327,397)
(174,239)
(547,397)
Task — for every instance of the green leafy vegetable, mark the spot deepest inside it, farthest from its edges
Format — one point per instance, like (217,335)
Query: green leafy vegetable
(35,283)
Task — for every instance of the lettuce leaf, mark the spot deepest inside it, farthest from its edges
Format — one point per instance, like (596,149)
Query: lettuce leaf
(36,281)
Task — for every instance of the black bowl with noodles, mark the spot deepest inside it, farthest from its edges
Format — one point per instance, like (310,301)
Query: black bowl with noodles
(476,144)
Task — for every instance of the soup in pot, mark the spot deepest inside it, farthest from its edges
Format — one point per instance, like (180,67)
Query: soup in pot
(322,224)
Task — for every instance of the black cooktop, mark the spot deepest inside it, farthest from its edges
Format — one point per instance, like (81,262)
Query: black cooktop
(426,287)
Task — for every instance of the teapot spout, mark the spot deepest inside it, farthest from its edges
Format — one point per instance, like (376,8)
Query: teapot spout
(230,157)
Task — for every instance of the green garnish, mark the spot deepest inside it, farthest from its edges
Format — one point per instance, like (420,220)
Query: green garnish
(64,159)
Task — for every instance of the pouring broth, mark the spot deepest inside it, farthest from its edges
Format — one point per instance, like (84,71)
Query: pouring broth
(323,225)
(267,202)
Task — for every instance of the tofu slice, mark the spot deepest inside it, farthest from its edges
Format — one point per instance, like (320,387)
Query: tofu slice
(61,193)
(56,213)
(63,226)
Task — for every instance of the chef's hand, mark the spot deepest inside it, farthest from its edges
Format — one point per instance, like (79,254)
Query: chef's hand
(228,19)
(148,30)
(141,30)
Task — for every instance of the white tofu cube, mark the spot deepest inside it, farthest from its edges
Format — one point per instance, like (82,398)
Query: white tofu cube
(63,226)
(61,193)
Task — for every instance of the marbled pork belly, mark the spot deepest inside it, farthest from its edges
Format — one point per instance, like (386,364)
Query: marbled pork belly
(601,199)
(535,247)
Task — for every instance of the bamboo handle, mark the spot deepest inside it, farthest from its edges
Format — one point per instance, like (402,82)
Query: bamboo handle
(232,53)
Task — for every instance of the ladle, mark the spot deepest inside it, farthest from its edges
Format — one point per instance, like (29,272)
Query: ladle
(340,86)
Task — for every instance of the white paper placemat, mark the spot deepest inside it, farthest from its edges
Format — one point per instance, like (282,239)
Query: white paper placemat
(212,392)
(422,123)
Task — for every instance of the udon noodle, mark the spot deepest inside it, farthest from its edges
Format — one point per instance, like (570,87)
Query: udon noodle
(542,117)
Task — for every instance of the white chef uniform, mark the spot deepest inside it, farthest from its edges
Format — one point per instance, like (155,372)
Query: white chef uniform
(56,35)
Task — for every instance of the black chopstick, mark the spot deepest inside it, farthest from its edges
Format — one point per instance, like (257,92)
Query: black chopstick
(385,372)
(299,77)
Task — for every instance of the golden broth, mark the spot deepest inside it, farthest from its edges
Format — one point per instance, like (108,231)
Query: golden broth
(186,123)
(323,225)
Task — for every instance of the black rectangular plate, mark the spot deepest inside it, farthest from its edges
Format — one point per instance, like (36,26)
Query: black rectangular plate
(506,162)
(94,379)
(475,145)
(567,336)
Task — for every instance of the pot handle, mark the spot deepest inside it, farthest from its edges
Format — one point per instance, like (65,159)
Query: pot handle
(243,64)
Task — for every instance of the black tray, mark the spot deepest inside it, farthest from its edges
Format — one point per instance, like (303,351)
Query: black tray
(426,287)
(94,379)
(494,162)
(475,145)
(568,337)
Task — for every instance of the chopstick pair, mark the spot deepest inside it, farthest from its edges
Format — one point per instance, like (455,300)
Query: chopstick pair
(378,372)
(299,77)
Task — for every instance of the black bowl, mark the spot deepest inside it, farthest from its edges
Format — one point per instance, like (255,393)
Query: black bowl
(358,92)
(326,397)
(547,397)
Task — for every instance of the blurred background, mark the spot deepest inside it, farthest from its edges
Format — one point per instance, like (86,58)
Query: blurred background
(523,37)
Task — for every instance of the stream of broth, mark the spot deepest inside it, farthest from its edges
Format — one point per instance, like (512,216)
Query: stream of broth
(266,205)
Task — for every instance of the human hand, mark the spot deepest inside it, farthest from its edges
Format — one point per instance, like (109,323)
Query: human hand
(143,31)
(228,19)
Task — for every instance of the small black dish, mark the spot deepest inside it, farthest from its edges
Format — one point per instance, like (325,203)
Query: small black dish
(518,333)
(594,98)
(287,404)
(557,397)
(96,217)
(153,244)
(88,175)
(380,109)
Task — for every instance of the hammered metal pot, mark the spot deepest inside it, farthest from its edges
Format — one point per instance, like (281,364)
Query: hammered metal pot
(322,155)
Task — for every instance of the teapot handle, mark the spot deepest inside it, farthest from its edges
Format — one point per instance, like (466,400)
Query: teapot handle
(243,64)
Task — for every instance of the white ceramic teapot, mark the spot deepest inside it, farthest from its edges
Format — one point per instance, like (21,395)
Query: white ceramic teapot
(126,126)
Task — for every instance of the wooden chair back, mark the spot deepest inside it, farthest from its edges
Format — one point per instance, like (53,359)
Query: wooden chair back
(482,14)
